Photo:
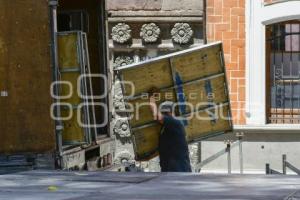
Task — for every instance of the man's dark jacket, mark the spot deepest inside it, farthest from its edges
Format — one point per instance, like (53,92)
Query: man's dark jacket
(173,148)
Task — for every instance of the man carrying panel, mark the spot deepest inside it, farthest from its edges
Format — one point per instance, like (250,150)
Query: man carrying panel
(173,148)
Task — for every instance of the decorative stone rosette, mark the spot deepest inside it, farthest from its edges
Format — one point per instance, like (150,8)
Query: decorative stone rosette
(121,33)
(150,32)
(121,128)
(123,156)
(118,102)
(182,33)
(122,61)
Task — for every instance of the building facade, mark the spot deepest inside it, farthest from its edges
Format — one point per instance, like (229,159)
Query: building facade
(261,47)
(142,29)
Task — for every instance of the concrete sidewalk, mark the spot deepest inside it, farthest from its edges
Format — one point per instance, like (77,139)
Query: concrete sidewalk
(38,185)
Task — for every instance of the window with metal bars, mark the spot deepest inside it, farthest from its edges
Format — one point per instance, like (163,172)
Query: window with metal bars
(283,72)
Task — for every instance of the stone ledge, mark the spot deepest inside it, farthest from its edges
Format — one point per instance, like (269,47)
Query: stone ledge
(175,13)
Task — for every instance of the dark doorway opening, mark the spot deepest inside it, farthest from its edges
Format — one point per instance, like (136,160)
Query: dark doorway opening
(89,17)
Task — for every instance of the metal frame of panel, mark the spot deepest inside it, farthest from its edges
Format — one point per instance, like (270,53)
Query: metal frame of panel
(83,62)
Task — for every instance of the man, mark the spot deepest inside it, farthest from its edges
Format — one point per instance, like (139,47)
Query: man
(173,148)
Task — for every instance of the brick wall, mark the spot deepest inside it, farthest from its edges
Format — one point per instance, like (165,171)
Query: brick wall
(226,23)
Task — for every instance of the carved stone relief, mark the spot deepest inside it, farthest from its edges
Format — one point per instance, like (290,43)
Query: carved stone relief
(120,124)
(150,32)
(122,61)
(142,41)
(121,33)
(182,33)
(123,156)
(121,128)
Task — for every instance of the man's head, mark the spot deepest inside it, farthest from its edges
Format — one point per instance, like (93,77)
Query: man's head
(166,108)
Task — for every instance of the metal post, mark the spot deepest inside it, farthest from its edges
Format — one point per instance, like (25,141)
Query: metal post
(228,157)
(55,75)
(240,139)
(284,164)
(267,168)
(199,154)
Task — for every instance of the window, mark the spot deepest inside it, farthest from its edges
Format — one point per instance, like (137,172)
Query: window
(73,21)
(283,72)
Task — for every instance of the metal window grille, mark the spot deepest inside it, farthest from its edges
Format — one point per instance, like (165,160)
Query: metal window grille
(283,60)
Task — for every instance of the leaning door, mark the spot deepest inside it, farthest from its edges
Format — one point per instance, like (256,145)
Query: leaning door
(75,87)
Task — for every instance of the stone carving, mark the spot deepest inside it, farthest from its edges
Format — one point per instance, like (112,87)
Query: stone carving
(182,33)
(150,32)
(121,33)
(118,102)
(122,61)
(121,128)
(124,155)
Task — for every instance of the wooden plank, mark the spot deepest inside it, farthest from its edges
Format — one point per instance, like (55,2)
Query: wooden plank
(148,76)
(198,64)
(146,142)
(200,126)
(197,96)
(141,110)
(25,73)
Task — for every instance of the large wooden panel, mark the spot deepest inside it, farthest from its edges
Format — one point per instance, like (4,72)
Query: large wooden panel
(69,58)
(194,79)
(25,74)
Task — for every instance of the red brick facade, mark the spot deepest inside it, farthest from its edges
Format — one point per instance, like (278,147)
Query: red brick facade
(226,23)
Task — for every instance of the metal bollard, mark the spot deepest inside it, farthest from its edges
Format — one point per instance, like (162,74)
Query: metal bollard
(229,157)
(268,168)
(240,139)
(284,164)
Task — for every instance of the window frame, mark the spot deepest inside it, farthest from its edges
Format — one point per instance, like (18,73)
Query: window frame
(281,114)
(258,16)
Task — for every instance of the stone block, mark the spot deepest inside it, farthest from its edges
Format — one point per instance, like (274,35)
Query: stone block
(134,5)
(182,5)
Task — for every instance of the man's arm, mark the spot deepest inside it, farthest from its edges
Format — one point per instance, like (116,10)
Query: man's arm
(156,114)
